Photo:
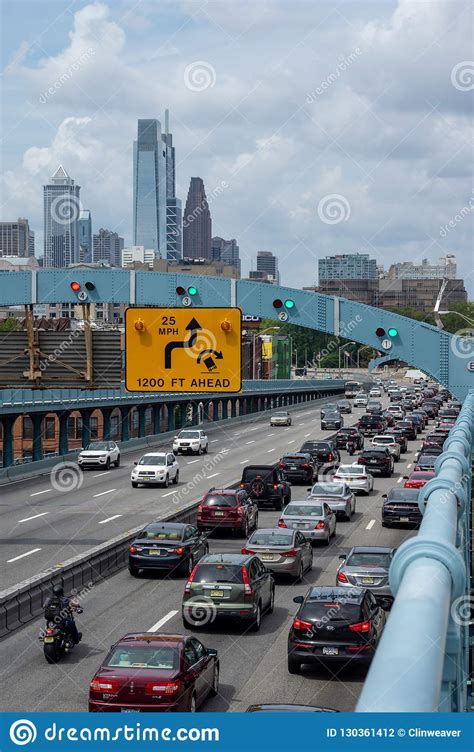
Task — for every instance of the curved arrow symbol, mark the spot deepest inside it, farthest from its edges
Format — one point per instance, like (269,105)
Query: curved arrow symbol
(217,354)
(192,327)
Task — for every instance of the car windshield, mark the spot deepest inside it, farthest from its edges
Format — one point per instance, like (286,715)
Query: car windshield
(351,470)
(302,510)
(158,532)
(369,560)
(331,610)
(144,656)
(316,446)
(402,494)
(101,445)
(327,489)
(280,415)
(156,459)
(188,435)
(347,432)
(383,440)
(271,539)
(215,572)
(374,453)
(220,500)
(421,476)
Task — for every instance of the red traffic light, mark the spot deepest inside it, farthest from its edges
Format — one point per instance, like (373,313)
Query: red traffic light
(278,303)
(380,332)
(180,290)
(75,286)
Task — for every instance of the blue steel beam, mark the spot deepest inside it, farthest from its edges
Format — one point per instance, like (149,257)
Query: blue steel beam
(441,355)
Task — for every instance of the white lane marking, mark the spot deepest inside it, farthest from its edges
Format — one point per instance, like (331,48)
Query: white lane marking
(255,429)
(399,480)
(22,556)
(213,441)
(99,475)
(213,475)
(109,519)
(301,424)
(306,435)
(38,493)
(243,462)
(191,462)
(35,516)
(370,525)
(271,450)
(292,441)
(237,434)
(111,490)
(250,442)
(170,493)
(409,465)
(270,434)
(162,621)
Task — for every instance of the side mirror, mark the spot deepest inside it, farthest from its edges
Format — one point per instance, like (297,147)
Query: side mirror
(405,477)
(212,652)
(136,462)
(308,489)
(298,599)
(81,449)
(175,438)
(343,556)
(384,496)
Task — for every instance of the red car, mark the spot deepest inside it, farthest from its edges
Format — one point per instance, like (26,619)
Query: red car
(228,508)
(418,478)
(154,673)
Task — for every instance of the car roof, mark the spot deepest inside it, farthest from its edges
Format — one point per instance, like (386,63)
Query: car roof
(372,550)
(222,491)
(325,593)
(225,558)
(147,637)
(156,454)
(167,525)
(354,466)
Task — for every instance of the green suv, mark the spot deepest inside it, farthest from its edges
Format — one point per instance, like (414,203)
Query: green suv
(234,586)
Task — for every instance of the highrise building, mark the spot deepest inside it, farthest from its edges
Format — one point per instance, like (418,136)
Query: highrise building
(108,246)
(85,236)
(226,251)
(16,239)
(174,212)
(267,262)
(149,187)
(348,266)
(197,225)
(61,220)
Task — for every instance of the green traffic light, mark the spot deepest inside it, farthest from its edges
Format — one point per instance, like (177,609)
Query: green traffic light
(392,332)
(289,303)
(192,290)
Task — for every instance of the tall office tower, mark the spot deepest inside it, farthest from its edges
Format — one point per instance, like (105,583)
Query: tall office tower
(226,251)
(16,239)
(62,208)
(31,242)
(267,262)
(108,247)
(149,187)
(197,224)
(85,236)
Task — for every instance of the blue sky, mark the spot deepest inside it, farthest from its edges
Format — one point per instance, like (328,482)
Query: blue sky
(337,127)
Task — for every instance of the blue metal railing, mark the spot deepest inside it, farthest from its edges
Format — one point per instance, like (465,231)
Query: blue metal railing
(421,664)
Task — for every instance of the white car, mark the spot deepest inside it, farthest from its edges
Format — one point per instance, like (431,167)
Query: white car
(397,411)
(280,419)
(191,440)
(99,454)
(375,392)
(360,400)
(356,477)
(155,467)
(390,443)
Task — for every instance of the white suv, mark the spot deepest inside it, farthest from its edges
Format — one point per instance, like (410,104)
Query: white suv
(155,467)
(360,400)
(100,454)
(375,392)
(390,443)
(192,440)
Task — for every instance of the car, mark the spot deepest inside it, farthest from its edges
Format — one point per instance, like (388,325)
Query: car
(351,432)
(266,484)
(99,454)
(390,420)
(408,427)
(378,460)
(429,410)
(375,392)
(234,586)
(422,416)
(435,439)
(367,566)
(445,424)
(360,400)
(396,396)
(174,546)
(191,441)
(334,624)
(344,406)
(333,420)
(418,478)
(400,505)
(329,407)
(338,496)
(357,477)
(426,462)
(370,425)
(396,411)
(299,467)
(417,419)
(227,508)
(280,419)
(154,672)
(399,436)
(315,519)
(384,440)
(282,551)
(155,468)
(374,407)
(325,453)
(288,708)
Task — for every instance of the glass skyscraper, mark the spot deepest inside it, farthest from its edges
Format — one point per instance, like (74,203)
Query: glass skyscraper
(85,236)
(62,209)
(149,187)
(174,212)
(197,224)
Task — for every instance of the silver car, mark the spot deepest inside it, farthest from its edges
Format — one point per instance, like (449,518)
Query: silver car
(283,551)
(280,419)
(356,477)
(315,520)
(367,566)
(390,442)
(338,496)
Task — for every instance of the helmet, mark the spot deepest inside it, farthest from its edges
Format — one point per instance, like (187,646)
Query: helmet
(58,590)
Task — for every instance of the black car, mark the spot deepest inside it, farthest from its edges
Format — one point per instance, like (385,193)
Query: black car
(377,459)
(400,506)
(333,624)
(174,546)
(370,425)
(266,485)
(449,412)
(425,462)
(352,433)
(435,438)
(325,453)
(408,427)
(399,437)
(429,410)
(333,420)
(299,467)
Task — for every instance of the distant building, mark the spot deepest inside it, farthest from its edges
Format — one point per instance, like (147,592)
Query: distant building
(18,263)
(194,267)
(62,208)
(347,266)
(226,251)
(268,263)
(197,224)
(85,236)
(447,267)
(31,242)
(108,247)
(174,211)
(138,254)
(16,239)
(255,276)
(149,187)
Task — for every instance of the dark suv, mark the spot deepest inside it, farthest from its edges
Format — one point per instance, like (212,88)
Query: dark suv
(227,508)
(324,453)
(266,485)
(299,467)
(370,425)
(400,505)
(377,460)
(353,433)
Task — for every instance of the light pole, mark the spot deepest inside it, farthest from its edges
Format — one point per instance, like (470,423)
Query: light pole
(258,334)
(339,352)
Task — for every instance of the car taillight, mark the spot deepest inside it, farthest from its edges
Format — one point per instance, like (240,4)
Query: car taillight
(187,588)
(330,456)
(132,549)
(104,685)
(319,525)
(179,550)
(275,486)
(49,631)
(200,508)
(281,523)
(361,626)
(300,624)
(358,477)
(240,511)
(162,688)
(341,577)
(282,464)
(293,552)
(247,587)
(242,485)
(305,465)
(246,551)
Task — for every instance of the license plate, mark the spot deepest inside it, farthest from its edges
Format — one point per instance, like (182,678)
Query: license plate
(155,552)
(301,525)
(293,467)
(146,477)
(404,519)
(217,593)
(130,710)
(267,557)
(48,639)
(218,514)
(373,462)
(330,651)
(367,580)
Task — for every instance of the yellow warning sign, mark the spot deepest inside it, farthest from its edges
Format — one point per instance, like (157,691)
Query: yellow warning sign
(183,350)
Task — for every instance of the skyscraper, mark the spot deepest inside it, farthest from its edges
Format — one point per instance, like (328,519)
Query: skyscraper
(16,238)
(267,262)
(108,247)
(149,187)
(347,266)
(197,225)
(62,208)
(85,236)
(226,251)
(174,212)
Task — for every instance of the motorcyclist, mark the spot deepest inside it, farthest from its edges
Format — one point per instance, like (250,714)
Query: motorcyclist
(64,606)
(351,445)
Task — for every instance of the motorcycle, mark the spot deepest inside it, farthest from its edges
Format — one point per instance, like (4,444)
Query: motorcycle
(57,642)
(351,447)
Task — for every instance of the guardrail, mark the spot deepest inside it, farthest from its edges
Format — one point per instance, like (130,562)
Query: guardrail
(421,664)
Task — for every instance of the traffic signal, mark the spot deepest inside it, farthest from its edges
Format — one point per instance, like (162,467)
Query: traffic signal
(75,286)
(392,332)
(289,304)
(190,291)
(380,331)
(180,290)
(89,286)
(277,303)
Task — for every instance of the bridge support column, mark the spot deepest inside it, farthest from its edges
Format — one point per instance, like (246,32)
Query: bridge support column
(141,421)
(195,417)
(7,423)
(63,433)
(125,427)
(225,408)
(170,407)
(106,413)
(86,427)
(156,419)
(233,408)
(37,420)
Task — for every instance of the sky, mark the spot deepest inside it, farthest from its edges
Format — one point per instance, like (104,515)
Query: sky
(317,127)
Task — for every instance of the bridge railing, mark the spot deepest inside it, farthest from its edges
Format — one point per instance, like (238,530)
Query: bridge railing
(421,663)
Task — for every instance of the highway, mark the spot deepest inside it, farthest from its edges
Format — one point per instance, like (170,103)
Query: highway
(253,666)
